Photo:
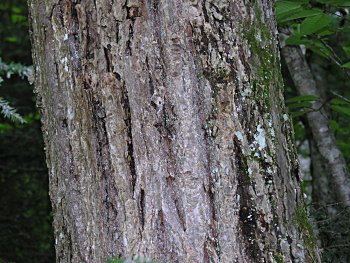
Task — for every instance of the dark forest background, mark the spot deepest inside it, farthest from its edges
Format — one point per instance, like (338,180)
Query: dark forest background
(25,217)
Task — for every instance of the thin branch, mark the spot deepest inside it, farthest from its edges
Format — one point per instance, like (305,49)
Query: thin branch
(340,96)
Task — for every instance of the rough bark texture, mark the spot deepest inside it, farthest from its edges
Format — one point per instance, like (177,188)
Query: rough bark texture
(164,131)
(319,123)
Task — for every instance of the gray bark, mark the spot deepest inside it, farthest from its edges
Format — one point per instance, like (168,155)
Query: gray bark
(164,132)
(324,191)
(319,123)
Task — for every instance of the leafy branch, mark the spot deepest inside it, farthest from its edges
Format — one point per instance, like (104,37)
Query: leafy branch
(16,68)
(10,112)
(10,69)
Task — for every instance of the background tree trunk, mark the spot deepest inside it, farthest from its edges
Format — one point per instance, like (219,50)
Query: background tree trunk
(166,134)
(319,124)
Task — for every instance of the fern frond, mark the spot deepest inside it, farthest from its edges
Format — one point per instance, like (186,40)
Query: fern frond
(10,112)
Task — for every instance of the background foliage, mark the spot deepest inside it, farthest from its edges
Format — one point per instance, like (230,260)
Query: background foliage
(25,220)
(321,28)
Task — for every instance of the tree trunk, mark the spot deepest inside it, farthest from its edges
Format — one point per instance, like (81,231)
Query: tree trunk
(324,192)
(319,124)
(166,134)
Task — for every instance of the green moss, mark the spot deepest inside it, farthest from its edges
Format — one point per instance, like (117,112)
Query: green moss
(279,258)
(265,61)
(223,74)
(302,220)
(274,204)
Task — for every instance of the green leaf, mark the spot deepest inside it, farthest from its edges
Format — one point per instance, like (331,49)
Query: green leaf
(297,40)
(300,14)
(302,98)
(299,113)
(300,105)
(16,9)
(5,127)
(346,65)
(338,101)
(316,46)
(315,24)
(286,8)
(11,39)
(18,18)
(339,3)
(325,32)
(334,125)
(347,50)
(341,109)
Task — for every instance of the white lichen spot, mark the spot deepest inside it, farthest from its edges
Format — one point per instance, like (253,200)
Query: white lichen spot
(250,171)
(65,37)
(125,240)
(238,198)
(239,136)
(285,117)
(258,36)
(271,129)
(269,170)
(259,137)
(64,61)
(246,92)
(70,113)
(270,123)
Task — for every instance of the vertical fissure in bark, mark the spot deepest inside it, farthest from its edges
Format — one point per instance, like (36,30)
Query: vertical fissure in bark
(72,171)
(107,54)
(130,37)
(106,189)
(142,211)
(130,146)
(161,232)
(90,37)
(174,193)
(180,213)
(150,79)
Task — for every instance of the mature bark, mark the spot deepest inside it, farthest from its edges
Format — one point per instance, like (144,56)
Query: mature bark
(319,123)
(164,132)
